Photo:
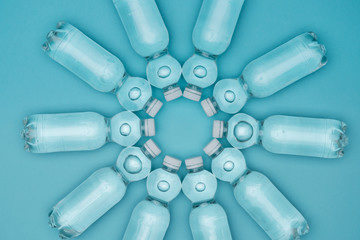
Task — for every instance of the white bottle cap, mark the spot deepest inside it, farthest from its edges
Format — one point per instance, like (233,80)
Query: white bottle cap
(195,162)
(212,147)
(154,107)
(172,94)
(152,148)
(172,162)
(149,127)
(208,107)
(192,94)
(218,129)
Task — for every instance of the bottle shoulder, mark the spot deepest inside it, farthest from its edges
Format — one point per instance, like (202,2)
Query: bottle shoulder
(199,186)
(133,164)
(125,128)
(243,131)
(229,165)
(108,180)
(230,95)
(133,93)
(163,185)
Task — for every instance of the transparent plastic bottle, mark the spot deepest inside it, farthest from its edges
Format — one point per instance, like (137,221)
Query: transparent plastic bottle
(149,38)
(211,37)
(256,194)
(100,69)
(101,191)
(151,217)
(44,133)
(208,220)
(268,74)
(315,137)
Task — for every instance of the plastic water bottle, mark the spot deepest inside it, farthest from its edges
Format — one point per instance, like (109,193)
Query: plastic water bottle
(149,38)
(208,219)
(99,68)
(256,194)
(44,133)
(315,137)
(268,74)
(101,191)
(151,217)
(211,37)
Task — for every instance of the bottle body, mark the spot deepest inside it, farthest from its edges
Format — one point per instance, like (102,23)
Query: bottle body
(151,217)
(149,38)
(301,136)
(268,74)
(284,65)
(99,68)
(209,221)
(149,220)
(45,133)
(211,37)
(83,131)
(144,26)
(215,25)
(85,58)
(88,202)
(269,208)
(304,136)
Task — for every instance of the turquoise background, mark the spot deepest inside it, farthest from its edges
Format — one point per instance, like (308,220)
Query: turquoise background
(326,191)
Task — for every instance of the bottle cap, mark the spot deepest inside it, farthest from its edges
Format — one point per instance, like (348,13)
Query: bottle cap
(192,94)
(172,94)
(218,129)
(208,107)
(149,127)
(195,162)
(172,162)
(212,147)
(152,148)
(154,107)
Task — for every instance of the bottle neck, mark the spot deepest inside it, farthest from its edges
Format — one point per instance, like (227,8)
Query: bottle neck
(157,201)
(214,104)
(225,129)
(157,55)
(205,54)
(121,81)
(245,86)
(198,169)
(148,103)
(108,129)
(241,178)
(146,153)
(261,130)
(169,169)
(194,88)
(123,178)
(217,152)
(142,127)
(204,204)
(170,87)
